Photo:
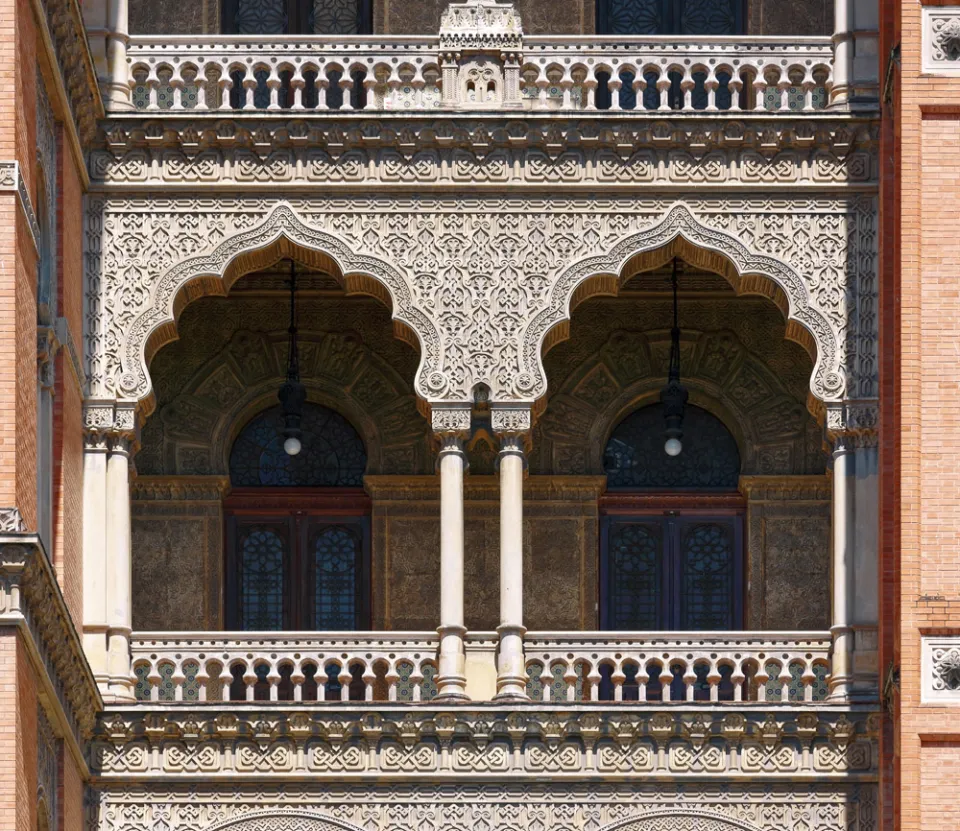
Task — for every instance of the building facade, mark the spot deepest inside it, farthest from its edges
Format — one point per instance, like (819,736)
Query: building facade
(465,415)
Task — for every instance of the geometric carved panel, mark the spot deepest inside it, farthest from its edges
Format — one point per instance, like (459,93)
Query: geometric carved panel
(480,286)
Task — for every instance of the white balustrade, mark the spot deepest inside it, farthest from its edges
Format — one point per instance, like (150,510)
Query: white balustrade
(251,666)
(786,668)
(323,74)
(769,667)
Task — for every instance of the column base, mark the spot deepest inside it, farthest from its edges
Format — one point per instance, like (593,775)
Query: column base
(451,674)
(511,675)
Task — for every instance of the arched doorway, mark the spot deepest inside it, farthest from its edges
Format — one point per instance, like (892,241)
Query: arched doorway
(671,545)
(297,527)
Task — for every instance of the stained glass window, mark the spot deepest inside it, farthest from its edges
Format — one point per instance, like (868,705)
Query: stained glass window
(636,575)
(707,575)
(336,572)
(670,17)
(332,452)
(263,559)
(671,572)
(634,458)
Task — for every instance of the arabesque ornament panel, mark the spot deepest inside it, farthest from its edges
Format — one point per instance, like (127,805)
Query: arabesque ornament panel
(481,282)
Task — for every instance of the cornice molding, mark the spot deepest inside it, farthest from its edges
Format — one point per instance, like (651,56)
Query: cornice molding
(65,38)
(415,153)
(180,488)
(483,488)
(814,488)
(31,600)
(425,743)
(11,180)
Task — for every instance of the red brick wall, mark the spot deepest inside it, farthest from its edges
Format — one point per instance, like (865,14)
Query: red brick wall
(922,581)
(68,400)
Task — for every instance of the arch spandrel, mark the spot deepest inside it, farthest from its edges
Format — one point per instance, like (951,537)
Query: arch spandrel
(481,283)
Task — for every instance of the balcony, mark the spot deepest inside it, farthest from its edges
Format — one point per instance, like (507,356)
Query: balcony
(787,669)
(319,75)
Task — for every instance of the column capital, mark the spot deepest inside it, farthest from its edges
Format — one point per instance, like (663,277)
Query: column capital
(115,420)
(450,420)
(852,424)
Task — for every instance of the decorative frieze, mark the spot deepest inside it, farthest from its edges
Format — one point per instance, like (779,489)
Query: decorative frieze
(421,744)
(640,805)
(405,154)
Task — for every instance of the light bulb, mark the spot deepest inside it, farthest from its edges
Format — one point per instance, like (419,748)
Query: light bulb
(673,447)
(292,446)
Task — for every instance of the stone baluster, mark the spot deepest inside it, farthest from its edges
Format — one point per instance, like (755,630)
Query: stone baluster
(452,425)
(512,426)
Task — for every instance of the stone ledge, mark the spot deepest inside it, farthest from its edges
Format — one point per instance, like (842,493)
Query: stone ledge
(31,600)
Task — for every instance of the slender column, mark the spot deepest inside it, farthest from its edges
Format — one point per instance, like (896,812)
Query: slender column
(451,425)
(118,88)
(842,522)
(855,521)
(94,554)
(512,426)
(119,568)
(842,51)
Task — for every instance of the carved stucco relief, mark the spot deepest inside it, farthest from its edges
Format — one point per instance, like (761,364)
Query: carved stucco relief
(231,360)
(482,283)
(742,371)
(452,807)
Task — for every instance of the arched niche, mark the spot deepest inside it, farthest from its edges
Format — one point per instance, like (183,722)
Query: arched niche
(608,375)
(234,356)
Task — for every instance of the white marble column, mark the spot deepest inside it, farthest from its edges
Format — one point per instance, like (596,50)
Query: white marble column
(451,425)
(855,566)
(95,554)
(842,525)
(119,568)
(856,62)
(512,427)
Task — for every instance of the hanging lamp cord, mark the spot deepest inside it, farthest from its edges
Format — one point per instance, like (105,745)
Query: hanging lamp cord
(293,357)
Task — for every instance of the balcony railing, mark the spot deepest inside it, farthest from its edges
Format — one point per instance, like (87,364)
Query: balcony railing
(786,668)
(413,74)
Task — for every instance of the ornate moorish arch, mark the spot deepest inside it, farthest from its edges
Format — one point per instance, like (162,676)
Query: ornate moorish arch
(817,312)
(484,284)
(274,820)
(685,818)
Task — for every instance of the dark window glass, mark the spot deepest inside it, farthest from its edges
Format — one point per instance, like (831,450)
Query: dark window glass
(634,457)
(336,552)
(671,572)
(333,454)
(262,560)
(670,17)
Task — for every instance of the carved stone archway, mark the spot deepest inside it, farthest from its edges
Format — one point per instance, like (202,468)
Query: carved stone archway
(281,821)
(483,284)
(677,819)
